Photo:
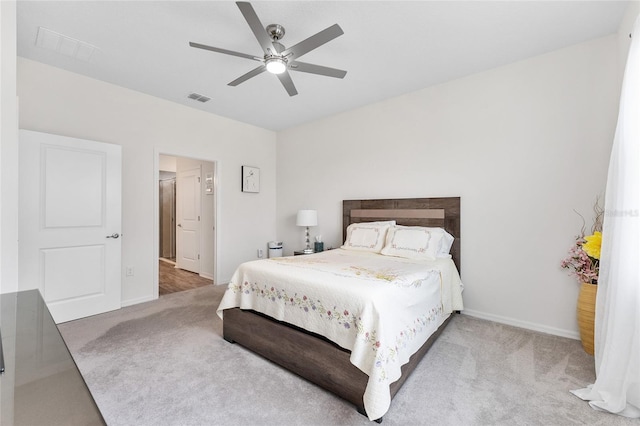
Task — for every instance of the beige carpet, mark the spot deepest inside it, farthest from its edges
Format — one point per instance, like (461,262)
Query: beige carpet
(165,363)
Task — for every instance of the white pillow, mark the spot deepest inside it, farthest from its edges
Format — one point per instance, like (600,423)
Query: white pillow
(367,236)
(413,242)
(445,244)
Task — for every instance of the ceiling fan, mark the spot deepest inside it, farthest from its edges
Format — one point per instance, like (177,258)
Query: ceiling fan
(277,59)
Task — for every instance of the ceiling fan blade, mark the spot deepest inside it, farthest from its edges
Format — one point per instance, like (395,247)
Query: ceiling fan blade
(316,69)
(256,26)
(317,40)
(248,75)
(285,79)
(225,51)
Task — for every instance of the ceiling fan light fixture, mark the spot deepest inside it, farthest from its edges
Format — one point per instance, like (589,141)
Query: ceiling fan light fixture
(276,56)
(276,65)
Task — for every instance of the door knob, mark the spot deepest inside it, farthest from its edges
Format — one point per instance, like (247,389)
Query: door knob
(114,235)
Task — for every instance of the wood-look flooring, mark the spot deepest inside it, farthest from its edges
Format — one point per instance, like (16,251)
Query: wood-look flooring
(172,279)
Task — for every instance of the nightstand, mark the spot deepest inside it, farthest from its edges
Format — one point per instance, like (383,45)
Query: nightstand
(300,253)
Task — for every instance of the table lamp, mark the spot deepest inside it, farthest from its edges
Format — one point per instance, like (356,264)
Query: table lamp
(307,218)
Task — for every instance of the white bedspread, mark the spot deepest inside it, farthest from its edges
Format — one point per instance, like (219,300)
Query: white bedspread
(381,308)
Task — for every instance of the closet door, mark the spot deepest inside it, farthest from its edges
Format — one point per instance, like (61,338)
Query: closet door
(188,218)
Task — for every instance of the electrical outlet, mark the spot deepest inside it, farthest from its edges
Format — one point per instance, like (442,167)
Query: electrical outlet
(260,253)
(128,271)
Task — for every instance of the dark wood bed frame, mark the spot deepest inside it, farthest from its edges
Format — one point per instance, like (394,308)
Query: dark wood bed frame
(316,358)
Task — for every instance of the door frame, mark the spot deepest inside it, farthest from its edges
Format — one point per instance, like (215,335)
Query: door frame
(156,212)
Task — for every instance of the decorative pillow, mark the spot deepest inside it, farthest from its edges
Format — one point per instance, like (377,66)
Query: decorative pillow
(413,242)
(367,236)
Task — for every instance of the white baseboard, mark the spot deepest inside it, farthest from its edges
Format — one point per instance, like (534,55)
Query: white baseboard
(131,302)
(207,276)
(523,324)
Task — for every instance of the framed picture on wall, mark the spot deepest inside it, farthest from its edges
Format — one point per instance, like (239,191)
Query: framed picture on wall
(250,179)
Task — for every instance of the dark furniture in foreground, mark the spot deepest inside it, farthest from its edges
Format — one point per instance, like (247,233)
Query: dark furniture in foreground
(41,384)
(312,356)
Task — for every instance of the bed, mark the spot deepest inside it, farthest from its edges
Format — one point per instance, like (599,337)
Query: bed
(310,315)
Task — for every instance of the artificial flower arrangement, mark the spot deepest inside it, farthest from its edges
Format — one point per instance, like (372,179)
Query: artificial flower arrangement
(584,257)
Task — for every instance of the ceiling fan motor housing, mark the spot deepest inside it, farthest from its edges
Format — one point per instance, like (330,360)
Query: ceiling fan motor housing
(275,31)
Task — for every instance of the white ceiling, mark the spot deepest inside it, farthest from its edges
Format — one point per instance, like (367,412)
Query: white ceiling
(389,47)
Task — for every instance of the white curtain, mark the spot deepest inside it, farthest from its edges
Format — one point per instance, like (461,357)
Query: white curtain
(617,329)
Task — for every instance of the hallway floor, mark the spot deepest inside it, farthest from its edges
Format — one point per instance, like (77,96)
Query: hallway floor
(172,280)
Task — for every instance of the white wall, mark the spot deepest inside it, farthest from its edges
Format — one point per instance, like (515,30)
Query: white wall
(8,150)
(167,163)
(56,101)
(523,145)
(626,26)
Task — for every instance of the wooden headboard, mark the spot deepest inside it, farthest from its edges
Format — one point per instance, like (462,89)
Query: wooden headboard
(433,212)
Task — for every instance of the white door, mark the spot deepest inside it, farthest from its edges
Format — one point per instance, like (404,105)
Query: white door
(70,223)
(188,220)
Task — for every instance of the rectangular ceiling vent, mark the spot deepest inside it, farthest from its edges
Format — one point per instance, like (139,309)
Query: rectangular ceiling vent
(65,45)
(198,97)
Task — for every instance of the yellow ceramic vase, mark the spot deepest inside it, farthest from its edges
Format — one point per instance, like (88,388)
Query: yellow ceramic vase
(586,315)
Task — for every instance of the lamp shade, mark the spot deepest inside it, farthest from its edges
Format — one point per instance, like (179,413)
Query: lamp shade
(307,218)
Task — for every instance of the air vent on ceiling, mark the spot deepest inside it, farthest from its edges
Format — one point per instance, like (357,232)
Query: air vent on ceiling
(198,97)
(65,45)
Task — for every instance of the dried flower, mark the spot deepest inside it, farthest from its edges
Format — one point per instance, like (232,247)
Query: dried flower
(582,266)
(584,258)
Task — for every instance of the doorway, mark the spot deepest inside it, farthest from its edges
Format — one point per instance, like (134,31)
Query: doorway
(186,232)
